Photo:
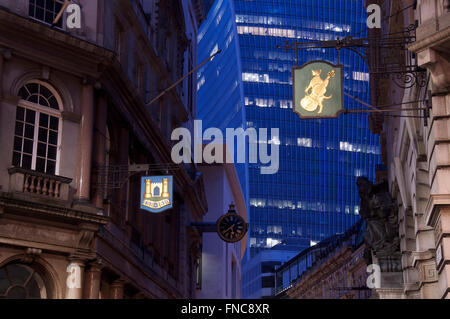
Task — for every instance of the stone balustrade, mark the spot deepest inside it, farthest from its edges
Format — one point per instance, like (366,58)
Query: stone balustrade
(36,183)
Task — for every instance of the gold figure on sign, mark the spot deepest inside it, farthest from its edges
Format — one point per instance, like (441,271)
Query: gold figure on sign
(315,92)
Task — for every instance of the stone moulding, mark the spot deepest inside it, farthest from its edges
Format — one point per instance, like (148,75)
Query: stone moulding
(7,202)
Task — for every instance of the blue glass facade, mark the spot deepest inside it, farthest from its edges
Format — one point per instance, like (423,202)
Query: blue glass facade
(314,194)
(219,84)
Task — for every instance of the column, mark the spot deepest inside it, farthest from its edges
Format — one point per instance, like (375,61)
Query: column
(116,289)
(92,281)
(75,271)
(85,142)
(99,154)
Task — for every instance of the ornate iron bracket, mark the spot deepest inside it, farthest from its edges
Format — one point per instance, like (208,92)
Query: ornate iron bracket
(116,176)
(387,57)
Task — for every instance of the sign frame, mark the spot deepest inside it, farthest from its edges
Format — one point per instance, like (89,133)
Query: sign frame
(336,115)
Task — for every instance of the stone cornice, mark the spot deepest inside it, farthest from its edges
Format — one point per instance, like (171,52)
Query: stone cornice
(418,256)
(434,202)
(10,203)
(430,41)
(55,48)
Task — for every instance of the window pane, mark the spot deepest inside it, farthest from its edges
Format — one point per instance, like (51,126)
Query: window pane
(31,10)
(43,135)
(46,92)
(51,152)
(51,167)
(43,120)
(18,274)
(53,138)
(28,146)
(19,129)
(43,101)
(31,116)
(58,6)
(29,131)
(17,292)
(23,93)
(16,159)
(39,13)
(33,98)
(17,144)
(48,17)
(40,164)
(49,5)
(20,113)
(40,3)
(53,103)
(54,123)
(41,149)
(26,161)
(33,88)
(33,289)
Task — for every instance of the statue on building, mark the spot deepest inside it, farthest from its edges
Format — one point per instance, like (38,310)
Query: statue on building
(379,211)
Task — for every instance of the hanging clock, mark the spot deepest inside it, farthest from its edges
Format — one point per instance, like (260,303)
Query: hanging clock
(231,227)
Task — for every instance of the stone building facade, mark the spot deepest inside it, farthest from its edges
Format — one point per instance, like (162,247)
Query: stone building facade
(221,261)
(72,119)
(333,269)
(416,145)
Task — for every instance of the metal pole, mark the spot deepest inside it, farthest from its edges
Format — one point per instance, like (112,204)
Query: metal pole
(358,100)
(61,12)
(180,80)
(385,110)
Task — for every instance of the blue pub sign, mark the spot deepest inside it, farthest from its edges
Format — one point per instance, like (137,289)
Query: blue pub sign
(156,193)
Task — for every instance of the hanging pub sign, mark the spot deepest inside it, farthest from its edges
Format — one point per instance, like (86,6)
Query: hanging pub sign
(156,193)
(317,89)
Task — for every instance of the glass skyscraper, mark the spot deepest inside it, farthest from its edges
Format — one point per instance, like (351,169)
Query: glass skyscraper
(220,92)
(314,193)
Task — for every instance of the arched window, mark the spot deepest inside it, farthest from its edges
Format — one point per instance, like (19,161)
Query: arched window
(18,281)
(36,134)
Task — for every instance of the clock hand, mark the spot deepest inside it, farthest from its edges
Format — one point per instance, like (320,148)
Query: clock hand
(231,227)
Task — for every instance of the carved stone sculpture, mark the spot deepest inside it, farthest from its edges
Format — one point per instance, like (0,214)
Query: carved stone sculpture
(379,211)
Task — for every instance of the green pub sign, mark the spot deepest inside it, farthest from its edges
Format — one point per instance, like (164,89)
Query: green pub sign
(317,89)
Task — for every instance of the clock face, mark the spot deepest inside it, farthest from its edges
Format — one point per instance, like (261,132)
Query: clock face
(231,227)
